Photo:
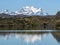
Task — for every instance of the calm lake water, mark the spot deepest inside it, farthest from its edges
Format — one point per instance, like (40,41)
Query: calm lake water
(30,39)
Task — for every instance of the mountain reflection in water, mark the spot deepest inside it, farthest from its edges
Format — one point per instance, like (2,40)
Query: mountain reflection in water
(29,39)
(25,37)
(56,36)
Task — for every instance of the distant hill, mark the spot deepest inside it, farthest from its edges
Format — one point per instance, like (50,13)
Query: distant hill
(34,22)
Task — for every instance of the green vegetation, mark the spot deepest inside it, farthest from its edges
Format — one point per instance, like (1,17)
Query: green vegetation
(30,22)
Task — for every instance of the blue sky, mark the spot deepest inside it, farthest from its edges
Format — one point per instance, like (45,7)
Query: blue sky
(50,6)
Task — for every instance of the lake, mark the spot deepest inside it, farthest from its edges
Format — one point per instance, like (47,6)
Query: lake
(41,38)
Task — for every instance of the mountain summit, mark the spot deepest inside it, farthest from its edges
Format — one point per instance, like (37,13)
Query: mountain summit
(27,11)
(31,11)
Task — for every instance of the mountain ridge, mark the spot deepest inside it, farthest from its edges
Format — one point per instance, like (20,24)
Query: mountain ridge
(28,10)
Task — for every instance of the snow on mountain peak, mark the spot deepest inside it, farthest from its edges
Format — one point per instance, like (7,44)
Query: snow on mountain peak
(31,11)
(28,10)
(5,11)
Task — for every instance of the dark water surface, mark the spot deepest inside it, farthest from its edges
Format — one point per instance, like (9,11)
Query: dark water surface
(41,38)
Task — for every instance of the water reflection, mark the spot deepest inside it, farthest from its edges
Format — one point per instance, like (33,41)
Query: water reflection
(25,37)
(56,36)
(29,39)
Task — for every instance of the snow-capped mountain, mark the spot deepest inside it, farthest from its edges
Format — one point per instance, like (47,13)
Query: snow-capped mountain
(5,11)
(27,11)
(31,11)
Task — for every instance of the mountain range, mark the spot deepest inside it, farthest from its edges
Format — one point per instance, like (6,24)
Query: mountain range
(30,11)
